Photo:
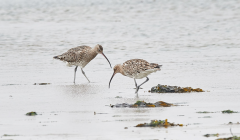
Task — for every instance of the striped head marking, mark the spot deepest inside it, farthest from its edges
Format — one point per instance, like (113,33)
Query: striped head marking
(99,48)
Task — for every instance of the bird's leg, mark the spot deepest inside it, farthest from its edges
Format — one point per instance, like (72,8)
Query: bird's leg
(141,84)
(135,83)
(137,96)
(75,70)
(144,81)
(84,74)
(137,88)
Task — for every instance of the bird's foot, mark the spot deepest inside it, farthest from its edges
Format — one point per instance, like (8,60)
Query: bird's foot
(137,90)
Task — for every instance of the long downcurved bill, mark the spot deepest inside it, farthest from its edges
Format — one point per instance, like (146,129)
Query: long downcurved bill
(111,79)
(107,59)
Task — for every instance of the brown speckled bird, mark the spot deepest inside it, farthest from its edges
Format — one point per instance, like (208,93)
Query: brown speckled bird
(136,69)
(81,56)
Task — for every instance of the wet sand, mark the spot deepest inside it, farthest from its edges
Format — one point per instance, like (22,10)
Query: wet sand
(196,42)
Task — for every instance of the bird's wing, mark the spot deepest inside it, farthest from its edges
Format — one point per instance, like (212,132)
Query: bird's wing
(73,54)
(138,68)
(69,56)
(79,48)
(135,66)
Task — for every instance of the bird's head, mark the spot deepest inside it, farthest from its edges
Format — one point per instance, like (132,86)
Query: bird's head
(116,69)
(99,50)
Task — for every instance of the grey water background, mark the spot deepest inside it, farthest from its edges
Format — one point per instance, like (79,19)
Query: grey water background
(197,42)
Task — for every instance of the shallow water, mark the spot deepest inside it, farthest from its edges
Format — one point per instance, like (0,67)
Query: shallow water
(197,42)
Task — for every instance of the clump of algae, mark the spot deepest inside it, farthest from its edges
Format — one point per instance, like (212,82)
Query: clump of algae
(31,113)
(140,104)
(229,111)
(158,123)
(173,89)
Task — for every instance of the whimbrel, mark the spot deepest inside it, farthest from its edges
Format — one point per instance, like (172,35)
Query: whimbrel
(136,69)
(81,56)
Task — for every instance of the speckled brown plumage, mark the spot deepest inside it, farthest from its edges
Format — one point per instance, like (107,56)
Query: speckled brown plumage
(136,69)
(81,56)
(78,56)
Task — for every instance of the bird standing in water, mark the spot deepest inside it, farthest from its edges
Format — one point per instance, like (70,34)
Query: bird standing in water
(136,69)
(81,56)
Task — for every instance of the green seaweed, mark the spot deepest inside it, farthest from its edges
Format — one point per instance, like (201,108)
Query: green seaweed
(205,112)
(158,123)
(8,135)
(229,111)
(118,97)
(138,103)
(211,135)
(31,113)
(230,138)
(155,123)
(173,89)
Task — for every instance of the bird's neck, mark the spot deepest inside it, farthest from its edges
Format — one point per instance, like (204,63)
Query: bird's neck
(120,70)
(92,54)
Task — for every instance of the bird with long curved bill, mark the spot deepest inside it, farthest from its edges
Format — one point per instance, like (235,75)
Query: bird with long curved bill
(81,56)
(136,69)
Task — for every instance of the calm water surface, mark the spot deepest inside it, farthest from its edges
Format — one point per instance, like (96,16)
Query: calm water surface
(197,42)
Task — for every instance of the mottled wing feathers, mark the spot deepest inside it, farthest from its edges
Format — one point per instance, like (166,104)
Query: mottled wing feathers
(79,48)
(135,66)
(69,56)
(74,54)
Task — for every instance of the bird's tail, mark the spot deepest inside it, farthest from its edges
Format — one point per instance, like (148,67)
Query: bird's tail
(56,57)
(61,57)
(156,66)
